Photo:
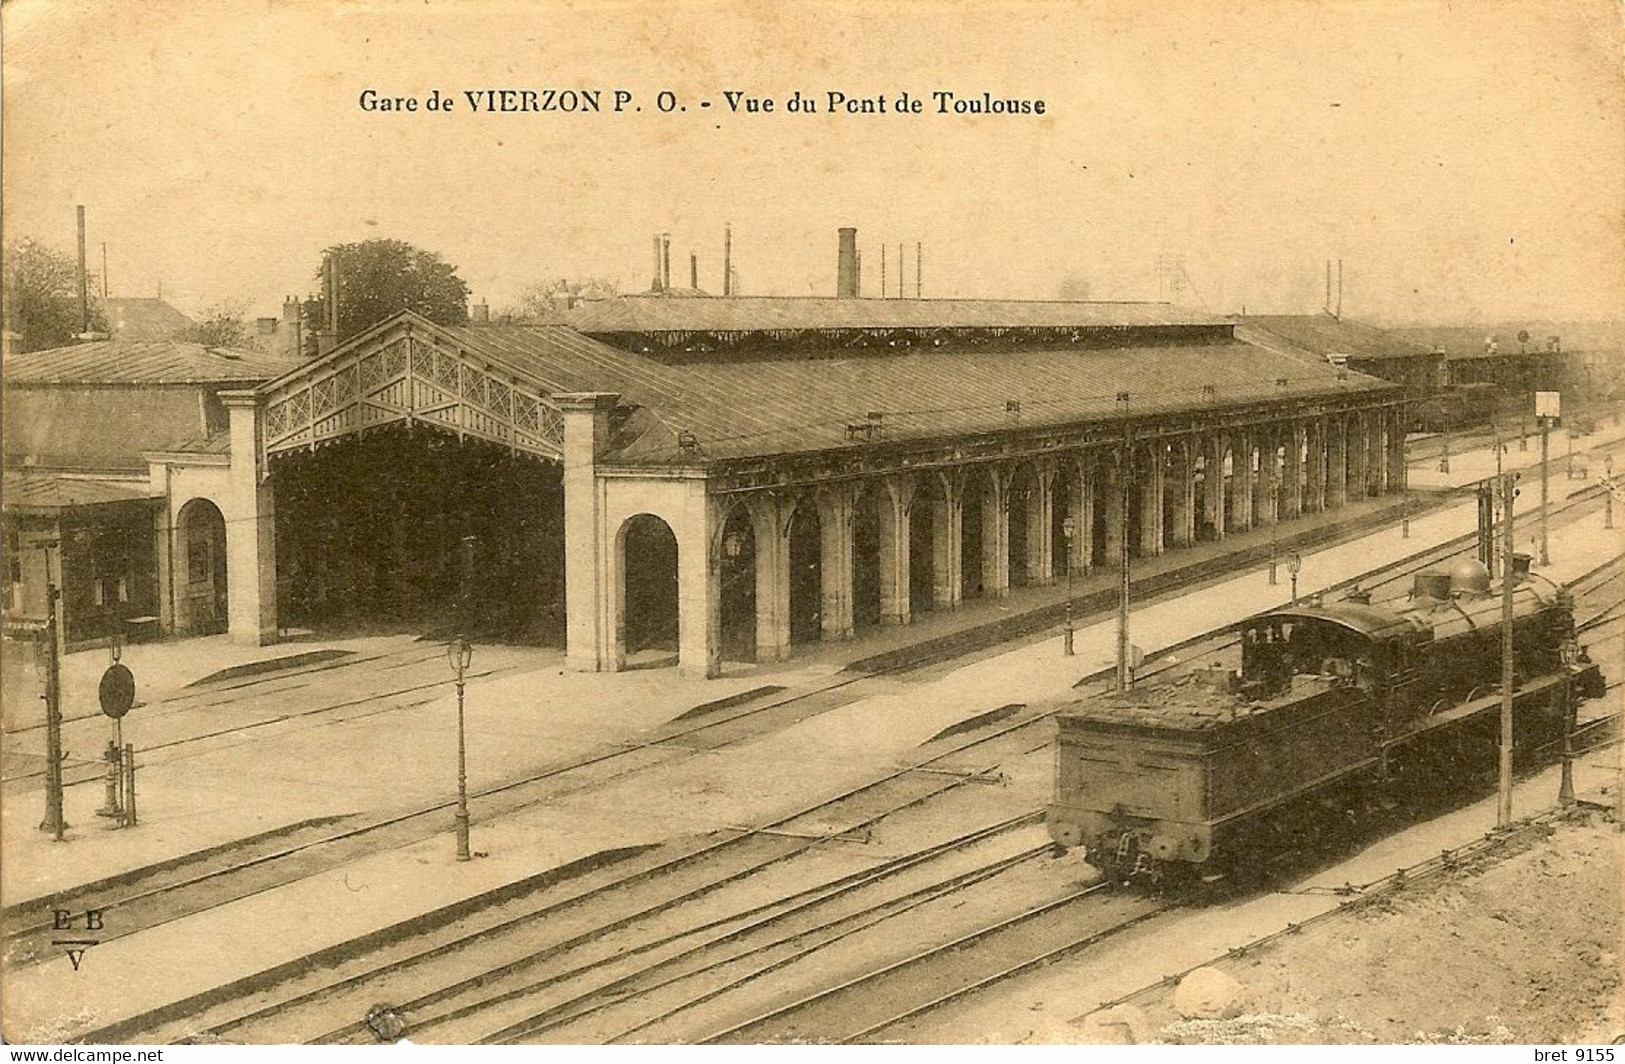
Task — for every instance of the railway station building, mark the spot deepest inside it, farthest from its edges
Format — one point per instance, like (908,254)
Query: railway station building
(729,478)
(732,478)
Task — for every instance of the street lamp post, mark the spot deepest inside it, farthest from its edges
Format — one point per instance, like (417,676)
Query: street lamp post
(460,653)
(1294,565)
(1069,529)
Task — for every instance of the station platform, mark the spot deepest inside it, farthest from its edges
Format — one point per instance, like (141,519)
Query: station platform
(525,710)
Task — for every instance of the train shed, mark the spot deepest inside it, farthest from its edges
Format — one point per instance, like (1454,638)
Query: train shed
(734,477)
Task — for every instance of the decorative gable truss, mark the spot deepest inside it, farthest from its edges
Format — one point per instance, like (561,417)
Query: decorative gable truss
(406,375)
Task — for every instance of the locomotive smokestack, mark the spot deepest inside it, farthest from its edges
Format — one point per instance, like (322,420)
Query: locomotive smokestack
(846,264)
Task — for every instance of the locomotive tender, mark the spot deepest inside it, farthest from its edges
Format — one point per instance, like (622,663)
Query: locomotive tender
(1212,773)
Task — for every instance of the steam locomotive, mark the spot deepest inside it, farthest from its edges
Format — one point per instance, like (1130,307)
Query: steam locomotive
(1210,774)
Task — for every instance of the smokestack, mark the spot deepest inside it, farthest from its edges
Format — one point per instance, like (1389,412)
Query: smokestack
(327,337)
(84,293)
(694,271)
(655,285)
(883,292)
(846,264)
(728,260)
(665,261)
(1328,305)
(104,269)
(918,253)
(1339,289)
(900,271)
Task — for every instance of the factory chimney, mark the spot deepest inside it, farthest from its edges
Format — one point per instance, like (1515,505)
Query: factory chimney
(846,264)
(694,271)
(327,337)
(665,261)
(654,285)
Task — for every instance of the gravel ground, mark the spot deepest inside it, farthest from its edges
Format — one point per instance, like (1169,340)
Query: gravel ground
(1522,951)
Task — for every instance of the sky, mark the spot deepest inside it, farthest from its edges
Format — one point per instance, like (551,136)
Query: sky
(1464,161)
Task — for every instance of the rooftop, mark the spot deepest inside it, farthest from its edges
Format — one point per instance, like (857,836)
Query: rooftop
(145,362)
(1323,335)
(48,492)
(755,408)
(135,318)
(653,314)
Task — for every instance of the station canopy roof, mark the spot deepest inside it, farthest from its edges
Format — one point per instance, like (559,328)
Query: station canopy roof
(744,408)
(144,362)
(658,314)
(1323,335)
(27,491)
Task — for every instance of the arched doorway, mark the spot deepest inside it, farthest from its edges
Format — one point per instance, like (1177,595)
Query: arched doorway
(1064,499)
(1023,486)
(806,574)
(739,586)
(929,501)
(970,533)
(649,611)
(201,605)
(866,557)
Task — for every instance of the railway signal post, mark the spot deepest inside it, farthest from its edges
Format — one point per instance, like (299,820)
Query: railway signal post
(1548,405)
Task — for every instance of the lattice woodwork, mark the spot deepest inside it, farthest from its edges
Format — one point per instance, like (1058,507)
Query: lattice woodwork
(403,376)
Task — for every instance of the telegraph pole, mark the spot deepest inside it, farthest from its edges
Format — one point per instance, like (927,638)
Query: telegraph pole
(1125,465)
(54,822)
(1504,812)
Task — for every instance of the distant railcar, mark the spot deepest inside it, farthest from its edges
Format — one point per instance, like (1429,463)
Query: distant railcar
(1209,773)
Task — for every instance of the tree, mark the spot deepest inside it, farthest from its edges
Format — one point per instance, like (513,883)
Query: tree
(546,301)
(222,325)
(42,297)
(378,279)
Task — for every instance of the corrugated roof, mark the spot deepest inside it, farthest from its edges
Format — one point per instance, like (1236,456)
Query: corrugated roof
(144,319)
(1323,335)
(771,406)
(100,428)
(639,314)
(47,491)
(144,362)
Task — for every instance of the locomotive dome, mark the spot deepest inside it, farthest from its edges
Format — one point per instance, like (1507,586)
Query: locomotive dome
(1469,576)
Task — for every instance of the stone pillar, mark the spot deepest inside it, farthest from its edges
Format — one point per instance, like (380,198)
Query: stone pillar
(1336,462)
(1242,474)
(995,531)
(835,560)
(1082,509)
(699,583)
(590,643)
(1269,446)
(1110,481)
(1040,519)
(1151,487)
(1314,500)
(770,527)
(1377,456)
(1397,474)
(1213,493)
(947,577)
(894,503)
(1356,448)
(1292,473)
(250,516)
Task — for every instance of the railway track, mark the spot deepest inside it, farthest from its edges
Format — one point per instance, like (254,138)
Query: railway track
(206,885)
